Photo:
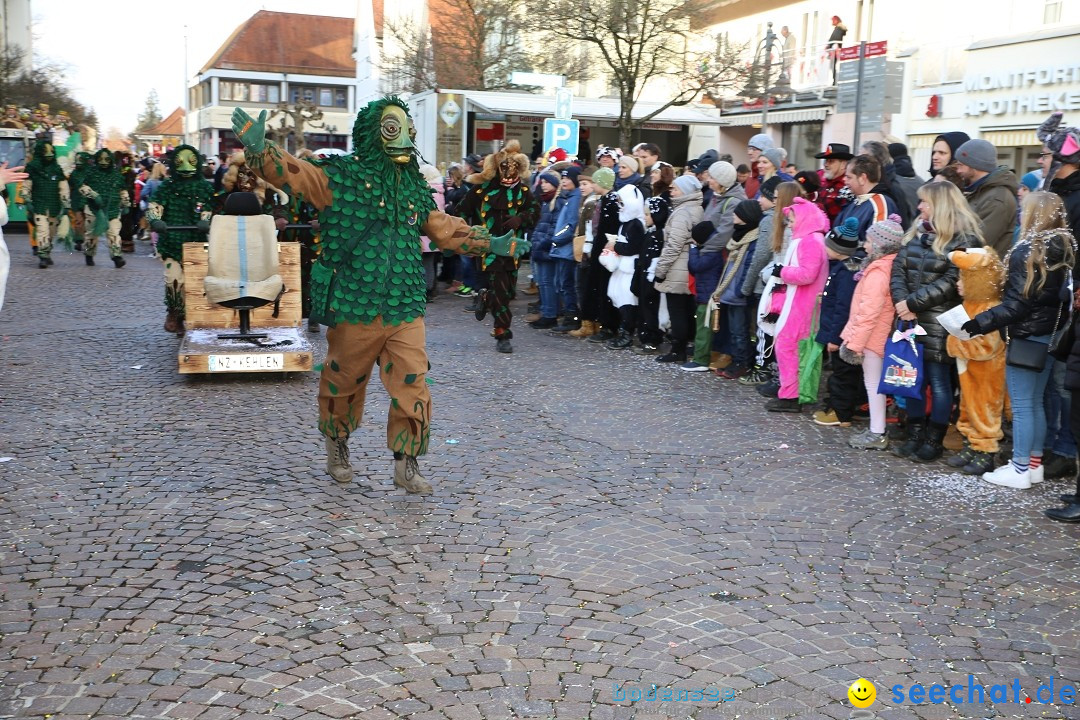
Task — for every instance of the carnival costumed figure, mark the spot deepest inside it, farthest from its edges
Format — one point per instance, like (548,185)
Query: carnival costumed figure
(241,178)
(46,197)
(368,284)
(125,163)
(79,225)
(106,201)
(184,198)
(502,202)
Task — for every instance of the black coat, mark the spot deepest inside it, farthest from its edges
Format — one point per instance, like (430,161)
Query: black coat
(1043,313)
(927,281)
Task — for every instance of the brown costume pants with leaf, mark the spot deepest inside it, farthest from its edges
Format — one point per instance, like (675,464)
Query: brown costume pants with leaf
(403,364)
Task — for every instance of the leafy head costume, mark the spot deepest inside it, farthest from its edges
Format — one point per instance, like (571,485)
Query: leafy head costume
(184,199)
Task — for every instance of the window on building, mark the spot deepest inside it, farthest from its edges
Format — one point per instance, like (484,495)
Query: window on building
(1052,12)
(321,96)
(249,92)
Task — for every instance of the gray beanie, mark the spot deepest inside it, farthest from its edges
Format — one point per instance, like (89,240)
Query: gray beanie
(977,155)
(761,141)
(723,173)
(776,157)
(687,184)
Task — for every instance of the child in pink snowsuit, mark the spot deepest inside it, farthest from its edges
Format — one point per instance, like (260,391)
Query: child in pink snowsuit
(805,270)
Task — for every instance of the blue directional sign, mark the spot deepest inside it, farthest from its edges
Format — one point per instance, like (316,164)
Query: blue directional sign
(561,133)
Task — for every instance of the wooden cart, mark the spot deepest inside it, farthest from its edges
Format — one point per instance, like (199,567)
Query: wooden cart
(286,349)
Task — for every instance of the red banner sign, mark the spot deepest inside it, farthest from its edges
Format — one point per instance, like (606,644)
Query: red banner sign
(873,49)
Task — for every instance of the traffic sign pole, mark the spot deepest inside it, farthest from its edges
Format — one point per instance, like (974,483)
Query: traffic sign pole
(858,97)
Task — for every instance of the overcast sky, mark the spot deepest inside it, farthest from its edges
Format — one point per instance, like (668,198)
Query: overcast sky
(117,52)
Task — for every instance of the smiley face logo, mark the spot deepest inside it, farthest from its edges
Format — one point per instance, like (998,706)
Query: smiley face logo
(862,693)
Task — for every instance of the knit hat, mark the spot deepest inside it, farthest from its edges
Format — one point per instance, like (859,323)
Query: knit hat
(631,162)
(1063,142)
(749,211)
(768,188)
(885,236)
(810,181)
(897,150)
(605,151)
(977,155)
(761,141)
(1031,181)
(550,178)
(687,184)
(775,157)
(723,173)
(572,172)
(844,238)
(556,154)
(604,178)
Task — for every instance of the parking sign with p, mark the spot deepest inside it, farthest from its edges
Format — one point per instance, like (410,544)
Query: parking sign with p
(562,134)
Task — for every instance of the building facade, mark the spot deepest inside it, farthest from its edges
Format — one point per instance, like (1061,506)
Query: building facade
(276,62)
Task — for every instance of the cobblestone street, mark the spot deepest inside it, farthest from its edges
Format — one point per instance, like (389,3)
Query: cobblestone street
(173,548)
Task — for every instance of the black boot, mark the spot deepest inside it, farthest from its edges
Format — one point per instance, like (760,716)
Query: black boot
(119,262)
(961,458)
(603,336)
(932,446)
(981,462)
(620,342)
(916,428)
(89,259)
(481,305)
(1069,513)
(43,262)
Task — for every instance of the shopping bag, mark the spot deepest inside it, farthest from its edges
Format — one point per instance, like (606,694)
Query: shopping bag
(810,352)
(902,372)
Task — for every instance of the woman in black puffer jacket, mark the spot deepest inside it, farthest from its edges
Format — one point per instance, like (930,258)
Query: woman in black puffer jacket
(923,286)
(1035,307)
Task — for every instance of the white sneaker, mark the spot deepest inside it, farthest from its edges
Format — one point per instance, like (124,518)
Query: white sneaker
(1036,475)
(1007,476)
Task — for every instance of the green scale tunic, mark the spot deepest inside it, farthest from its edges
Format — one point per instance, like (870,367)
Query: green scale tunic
(182,201)
(107,184)
(375,250)
(45,190)
(78,177)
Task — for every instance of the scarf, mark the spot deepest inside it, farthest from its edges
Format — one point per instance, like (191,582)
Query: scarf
(737,248)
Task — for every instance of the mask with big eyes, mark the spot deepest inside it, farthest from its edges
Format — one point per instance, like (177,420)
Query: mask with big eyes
(104,161)
(48,153)
(186,163)
(397,135)
(246,181)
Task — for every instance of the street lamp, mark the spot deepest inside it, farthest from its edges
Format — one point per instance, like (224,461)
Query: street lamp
(757,84)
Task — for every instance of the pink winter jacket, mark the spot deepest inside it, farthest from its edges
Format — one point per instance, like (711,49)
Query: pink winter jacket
(808,225)
(872,311)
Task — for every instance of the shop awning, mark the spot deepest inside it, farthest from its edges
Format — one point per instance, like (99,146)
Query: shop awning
(778,116)
(508,103)
(1011,138)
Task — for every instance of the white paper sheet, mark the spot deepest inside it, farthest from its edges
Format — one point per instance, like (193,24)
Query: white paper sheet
(952,320)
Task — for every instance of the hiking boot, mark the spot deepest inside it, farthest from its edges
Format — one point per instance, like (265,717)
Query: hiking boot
(980,462)
(43,262)
(603,335)
(770,388)
(474,305)
(620,342)
(407,475)
(337,459)
(785,405)
(90,260)
(932,446)
(118,261)
(733,372)
(567,325)
(504,346)
(543,323)
(755,377)
(719,361)
(867,440)
(916,428)
(962,458)
(671,357)
(533,317)
(531,290)
(481,303)
(829,418)
(588,329)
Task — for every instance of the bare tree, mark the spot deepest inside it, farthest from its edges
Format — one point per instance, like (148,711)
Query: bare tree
(474,45)
(642,40)
(46,83)
(293,121)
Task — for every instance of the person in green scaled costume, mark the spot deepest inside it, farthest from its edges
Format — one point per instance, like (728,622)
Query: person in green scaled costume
(46,197)
(184,198)
(368,284)
(106,200)
(79,225)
